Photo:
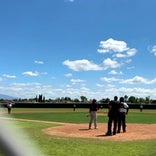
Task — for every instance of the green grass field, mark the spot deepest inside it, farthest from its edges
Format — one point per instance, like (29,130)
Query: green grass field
(64,146)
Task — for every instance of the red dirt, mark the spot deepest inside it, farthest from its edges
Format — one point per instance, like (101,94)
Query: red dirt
(134,132)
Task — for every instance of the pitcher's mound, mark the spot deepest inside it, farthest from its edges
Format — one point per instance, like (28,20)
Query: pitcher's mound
(134,131)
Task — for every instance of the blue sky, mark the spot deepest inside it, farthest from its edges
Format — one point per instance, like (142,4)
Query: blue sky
(73,48)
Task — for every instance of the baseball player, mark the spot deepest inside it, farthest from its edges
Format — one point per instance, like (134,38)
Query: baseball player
(9,106)
(93,116)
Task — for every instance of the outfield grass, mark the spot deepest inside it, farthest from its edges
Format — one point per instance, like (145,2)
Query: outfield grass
(80,116)
(64,146)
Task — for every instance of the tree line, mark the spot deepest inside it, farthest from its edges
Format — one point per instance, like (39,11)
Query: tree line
(83,99)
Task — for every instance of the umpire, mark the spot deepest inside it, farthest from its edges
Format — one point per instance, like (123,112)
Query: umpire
(113,107)
(123,111)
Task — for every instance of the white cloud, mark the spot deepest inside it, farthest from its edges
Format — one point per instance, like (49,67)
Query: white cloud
(1,79)
(30,90)
(84,89)
(68,75)
(135,91)
(68,86)
(109,63)
(128,53)
(120,55)
(30,73)
(111,79)
(9,76)
(110,86)
(112,45)
(132,67)
(154,50)
(70,0)
(18,85)
(139,80)
(39,62)
(131,52)
(114,72)
(36,73)
(100,85)
(74,81)
(134,80)
(22,90)
(120,48)
(82,65)
(128,61)
(85,65)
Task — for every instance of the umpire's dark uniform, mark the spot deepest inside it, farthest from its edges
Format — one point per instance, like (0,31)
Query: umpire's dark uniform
(113,116)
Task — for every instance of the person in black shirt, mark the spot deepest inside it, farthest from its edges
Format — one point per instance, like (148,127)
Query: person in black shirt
(92,111)
(113,107)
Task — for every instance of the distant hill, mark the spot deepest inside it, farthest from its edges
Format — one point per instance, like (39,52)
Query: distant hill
(6,97)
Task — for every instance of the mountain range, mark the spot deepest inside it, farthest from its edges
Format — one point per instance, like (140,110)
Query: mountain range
(6,97)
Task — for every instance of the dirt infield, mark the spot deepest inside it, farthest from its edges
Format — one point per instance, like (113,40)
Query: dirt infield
(134,132)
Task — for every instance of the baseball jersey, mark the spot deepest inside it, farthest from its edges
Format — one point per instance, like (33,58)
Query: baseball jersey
(123,107)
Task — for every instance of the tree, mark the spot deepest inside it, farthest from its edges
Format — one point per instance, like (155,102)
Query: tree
(132,99)
(43,100)
(104,100)
(141,100)
(40,98)
(67,99)
(76,100)
(147,99)
(126,97)
(83,99)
